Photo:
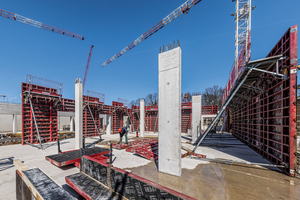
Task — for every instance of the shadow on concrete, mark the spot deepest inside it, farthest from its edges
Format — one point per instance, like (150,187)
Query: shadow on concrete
(227,146)
(72,192)
(6,163)
(187,138)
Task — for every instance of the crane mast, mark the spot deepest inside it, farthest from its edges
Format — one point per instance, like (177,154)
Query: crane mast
(25,20)
(184,8)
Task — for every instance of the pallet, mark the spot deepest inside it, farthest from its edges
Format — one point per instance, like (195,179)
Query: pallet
(71,157)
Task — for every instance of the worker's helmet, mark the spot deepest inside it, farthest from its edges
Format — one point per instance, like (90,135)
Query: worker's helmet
(120,130)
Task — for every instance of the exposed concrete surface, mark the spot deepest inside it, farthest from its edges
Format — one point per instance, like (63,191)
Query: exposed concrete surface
(109,124)
(200,179)
(6,123)
(9,109)
(203,180)
(78,114)
(196,117)
(142,118)
(169,112)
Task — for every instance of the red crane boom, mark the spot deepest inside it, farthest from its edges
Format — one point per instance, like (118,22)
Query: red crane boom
(87,67)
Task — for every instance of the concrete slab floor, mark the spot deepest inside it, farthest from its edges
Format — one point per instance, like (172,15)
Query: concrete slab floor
(200,179)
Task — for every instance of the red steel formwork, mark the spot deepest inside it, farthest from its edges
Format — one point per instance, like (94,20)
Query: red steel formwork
(209,110)
(96,107)
(44,103)
(118,113)
(151,116)
(135,118)
(186,116)
(267,123)
(67,105)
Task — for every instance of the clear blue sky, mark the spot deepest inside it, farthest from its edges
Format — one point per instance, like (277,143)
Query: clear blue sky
(206,35)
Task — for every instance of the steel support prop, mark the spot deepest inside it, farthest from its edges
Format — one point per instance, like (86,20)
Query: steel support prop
(200,139)
(36,126)
(94,121)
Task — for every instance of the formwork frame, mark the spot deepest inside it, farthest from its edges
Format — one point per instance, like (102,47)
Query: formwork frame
(39,114)
(92,108)
(118,112)
(267,123)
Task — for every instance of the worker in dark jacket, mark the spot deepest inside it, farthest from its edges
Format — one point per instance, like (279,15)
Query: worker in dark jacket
(123,131)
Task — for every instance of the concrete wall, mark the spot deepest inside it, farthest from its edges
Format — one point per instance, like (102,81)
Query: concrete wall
(6,117)
(6,123)
(62,121)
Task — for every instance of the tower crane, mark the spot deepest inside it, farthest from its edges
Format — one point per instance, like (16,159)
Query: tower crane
(87,67)
(184,8)
(37,24)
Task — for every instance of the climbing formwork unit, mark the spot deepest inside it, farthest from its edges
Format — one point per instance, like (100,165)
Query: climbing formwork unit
(151,118)
(119,111)
(92,107)
(263,115)
(67,105)
(39,110)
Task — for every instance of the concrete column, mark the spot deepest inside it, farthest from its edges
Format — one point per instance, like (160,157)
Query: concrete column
(196,117)
(169,104)
(108,125)
(15,123)
(71,123)
(142,118)
(78,114)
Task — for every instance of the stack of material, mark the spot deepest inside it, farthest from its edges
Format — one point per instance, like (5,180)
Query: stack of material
(148,148)
(99,180)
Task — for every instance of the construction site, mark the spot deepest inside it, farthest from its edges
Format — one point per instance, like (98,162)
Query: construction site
(247,147)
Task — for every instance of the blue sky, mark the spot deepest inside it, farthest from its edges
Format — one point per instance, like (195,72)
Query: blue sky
(206,35)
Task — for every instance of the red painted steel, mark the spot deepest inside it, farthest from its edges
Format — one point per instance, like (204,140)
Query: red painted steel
(293,93)
(267,123)
(87,68)
(45,111)
(97,108)
(118,112)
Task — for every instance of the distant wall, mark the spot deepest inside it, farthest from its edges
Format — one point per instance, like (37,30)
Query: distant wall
(6,117)
(6,123)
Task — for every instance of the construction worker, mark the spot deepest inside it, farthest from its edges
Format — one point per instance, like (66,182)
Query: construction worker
(123,131)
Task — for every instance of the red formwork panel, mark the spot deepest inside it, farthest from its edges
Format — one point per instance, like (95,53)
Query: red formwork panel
(209,110)
(151,119)
(97,108)
(67,105)
(118,113)
(267,123)
(135,118)
(44,103)
(186,116)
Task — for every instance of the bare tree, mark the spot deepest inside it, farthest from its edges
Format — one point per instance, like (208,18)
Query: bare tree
(151,99)
(213,96)
(135,102)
